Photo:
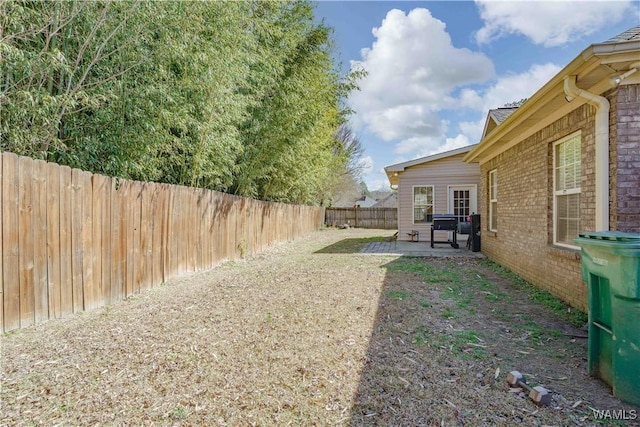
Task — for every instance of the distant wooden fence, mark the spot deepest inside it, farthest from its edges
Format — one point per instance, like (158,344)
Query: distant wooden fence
(74,241)
(385,218)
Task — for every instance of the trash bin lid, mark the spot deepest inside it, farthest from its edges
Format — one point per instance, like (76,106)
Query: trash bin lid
(616,236)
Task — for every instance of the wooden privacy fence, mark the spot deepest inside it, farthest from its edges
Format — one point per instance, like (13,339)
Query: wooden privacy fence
(74,241)
(385,218)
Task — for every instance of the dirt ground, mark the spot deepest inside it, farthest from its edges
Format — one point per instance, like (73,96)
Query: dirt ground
(310,332)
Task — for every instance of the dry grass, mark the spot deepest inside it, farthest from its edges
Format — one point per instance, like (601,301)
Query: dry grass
(303,336)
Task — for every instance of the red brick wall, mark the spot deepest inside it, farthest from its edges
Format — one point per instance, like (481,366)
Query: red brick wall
(626,178)
(524,240)
(613,159)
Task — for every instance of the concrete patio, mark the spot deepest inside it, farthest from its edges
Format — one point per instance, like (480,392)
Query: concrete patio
(419,249)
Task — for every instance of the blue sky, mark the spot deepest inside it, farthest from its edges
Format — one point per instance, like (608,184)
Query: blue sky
(436,67)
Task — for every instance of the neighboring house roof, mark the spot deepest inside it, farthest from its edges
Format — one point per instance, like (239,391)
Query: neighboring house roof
(344,199)
(391,201)
(342,203)
(495,117)
(594,68)
(394,170)
(365,202)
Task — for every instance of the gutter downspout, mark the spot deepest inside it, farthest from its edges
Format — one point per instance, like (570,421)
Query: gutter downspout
(602,149)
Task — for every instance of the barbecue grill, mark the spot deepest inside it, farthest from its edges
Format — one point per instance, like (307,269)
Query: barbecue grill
(445,222)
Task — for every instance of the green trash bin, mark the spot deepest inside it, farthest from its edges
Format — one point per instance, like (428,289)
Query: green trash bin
(611,269)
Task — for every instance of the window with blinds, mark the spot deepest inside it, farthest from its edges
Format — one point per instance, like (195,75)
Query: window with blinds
(567,175)
(493,200)
(423,204)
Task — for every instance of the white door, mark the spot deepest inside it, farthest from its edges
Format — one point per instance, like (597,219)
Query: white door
(463,201)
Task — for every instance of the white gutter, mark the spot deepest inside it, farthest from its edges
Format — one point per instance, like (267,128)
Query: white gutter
(602,149)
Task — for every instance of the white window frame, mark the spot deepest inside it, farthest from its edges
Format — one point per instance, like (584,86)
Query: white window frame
(493,200)
(413,203)
(576,189)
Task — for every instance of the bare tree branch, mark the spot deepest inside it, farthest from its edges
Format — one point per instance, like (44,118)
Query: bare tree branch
(352,148)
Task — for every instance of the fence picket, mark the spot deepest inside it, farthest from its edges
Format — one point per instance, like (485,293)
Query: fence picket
(136,262)
(1,255)
(41,291)
(107,267)
(170,249)
(66,241)
(77,223)
(53,239)
(10,241)
(159,211)
(26,242)
(201,250)
(88,256)
(125,232)
(93,289)
(146,235)
(190,227)
(115,281)
(207,247)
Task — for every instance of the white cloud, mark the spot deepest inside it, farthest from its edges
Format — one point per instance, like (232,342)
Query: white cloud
(400,159)
(378,184)
(418,141)
(367,164)
(426,146)
(473,130)
(416,145)
(548,23)
(459,141)
(469,98)
(412,68)
(406,120)
(508,88)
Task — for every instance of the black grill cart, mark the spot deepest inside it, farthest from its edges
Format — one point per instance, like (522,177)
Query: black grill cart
(445,222)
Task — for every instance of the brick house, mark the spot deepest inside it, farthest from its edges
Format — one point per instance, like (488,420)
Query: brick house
(567,161)
(438,184)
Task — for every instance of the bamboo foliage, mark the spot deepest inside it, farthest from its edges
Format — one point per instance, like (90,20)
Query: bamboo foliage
(74,241)
(242,97)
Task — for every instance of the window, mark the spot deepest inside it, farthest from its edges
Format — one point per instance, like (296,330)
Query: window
(493,200)
(423,204)
(567,172)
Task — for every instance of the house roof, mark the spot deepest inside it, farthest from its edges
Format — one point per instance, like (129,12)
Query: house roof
(495,117)
(630,34)
(500,114)
(391,201)
(594,69)
(365,202)
(393,171)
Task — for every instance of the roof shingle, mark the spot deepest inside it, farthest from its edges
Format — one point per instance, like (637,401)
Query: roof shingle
(630,34)
(501,114)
